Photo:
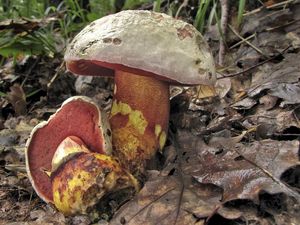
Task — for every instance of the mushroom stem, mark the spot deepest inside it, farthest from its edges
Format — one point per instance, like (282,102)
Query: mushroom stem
(139,118)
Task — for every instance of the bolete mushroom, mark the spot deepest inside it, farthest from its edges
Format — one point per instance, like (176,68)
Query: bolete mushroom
(84,181)
(68,156)
(145,52)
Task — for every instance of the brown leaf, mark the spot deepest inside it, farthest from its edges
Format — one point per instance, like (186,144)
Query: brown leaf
(281,79)
(268,101)
(274,121)
(242,170)
(223,86)
(24,24)
(17,98)
(166,200)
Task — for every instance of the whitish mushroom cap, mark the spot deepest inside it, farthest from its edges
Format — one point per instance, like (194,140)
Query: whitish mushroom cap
(148,41)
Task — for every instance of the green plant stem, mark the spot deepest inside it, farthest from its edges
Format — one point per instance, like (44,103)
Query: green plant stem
(242,4)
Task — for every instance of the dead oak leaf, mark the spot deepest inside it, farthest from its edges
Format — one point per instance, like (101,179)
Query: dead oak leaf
(17,98)
(167,200)
(281,80)
(274,121)
(241,170)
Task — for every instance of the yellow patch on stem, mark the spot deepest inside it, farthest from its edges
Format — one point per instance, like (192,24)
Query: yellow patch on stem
(157,130)
(162,140)
(136,117)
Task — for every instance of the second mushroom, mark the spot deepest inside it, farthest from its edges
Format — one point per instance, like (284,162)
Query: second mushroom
(145,52)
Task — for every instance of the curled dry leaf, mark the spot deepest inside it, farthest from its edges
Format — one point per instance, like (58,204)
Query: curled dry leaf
(242,170)
(290,93)
(223,86)
(246,103)
(268,101)
(280,79)
(278,120)
(166,200)
(17,98)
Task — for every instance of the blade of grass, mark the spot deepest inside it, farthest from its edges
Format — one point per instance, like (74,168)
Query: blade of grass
(211,15)
(33,92)
(242,4)
(2,94)
(201,13)
(156,6)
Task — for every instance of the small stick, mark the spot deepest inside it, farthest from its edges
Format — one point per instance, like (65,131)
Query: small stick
(253,67)
(280,4)
(55,75)
(243,41)
(183,4)
(246,41)
(33,65)
(224,22)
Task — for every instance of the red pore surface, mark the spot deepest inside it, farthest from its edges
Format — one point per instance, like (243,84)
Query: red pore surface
(98,68)
(76,118)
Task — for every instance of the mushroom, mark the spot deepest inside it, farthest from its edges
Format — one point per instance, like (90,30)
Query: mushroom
(87,179)
(145,52)
(76,132)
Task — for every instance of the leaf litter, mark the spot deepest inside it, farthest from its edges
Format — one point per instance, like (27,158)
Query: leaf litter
(231,157)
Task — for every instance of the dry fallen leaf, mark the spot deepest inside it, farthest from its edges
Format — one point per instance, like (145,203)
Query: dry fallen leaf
(17,98)
(281,79)
(275,121)
(242,170)
(167,200)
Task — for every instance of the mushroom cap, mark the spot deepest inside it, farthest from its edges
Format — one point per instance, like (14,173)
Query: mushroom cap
(78,116)
(143,42)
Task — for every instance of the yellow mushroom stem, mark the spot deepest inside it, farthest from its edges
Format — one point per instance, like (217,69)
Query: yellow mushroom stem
(139,118)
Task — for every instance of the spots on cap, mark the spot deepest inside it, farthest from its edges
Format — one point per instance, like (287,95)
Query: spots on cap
(201,71)
(157,16)
(115,41)
(186,31)
(197,61)
(107,40)
(87,46)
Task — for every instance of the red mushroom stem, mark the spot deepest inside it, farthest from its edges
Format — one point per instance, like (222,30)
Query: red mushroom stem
(139,118)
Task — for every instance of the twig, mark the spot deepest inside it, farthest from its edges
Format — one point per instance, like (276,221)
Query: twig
(284,3)
(283,25)
(243,41)
(183,4)
(246,41)
(55,75)
(253,67)
(253,11)
(30,70)
(269,7)
(174,138)
(224,22)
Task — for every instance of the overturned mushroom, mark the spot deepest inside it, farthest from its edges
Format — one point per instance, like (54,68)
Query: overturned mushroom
(85,179)
(67,155)
(145,52)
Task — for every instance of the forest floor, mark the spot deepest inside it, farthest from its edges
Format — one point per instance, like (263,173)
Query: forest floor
(232,157)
